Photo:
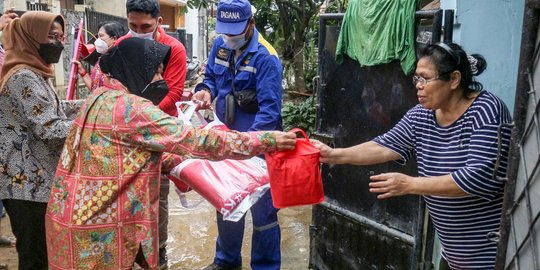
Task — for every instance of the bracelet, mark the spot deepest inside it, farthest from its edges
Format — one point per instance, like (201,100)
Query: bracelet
(83,73)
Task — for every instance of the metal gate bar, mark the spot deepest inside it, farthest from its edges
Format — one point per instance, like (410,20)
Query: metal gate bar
(520,170)
(94,18)
(529,174)
(448,25)
(437,16)
(409,239)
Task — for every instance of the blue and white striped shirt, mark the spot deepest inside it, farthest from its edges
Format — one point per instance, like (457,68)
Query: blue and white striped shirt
(468,151)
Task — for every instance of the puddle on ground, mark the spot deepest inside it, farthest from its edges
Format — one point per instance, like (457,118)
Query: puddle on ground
(193,232)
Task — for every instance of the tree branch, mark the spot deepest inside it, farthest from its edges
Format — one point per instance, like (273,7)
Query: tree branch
(291,5)
(311,4)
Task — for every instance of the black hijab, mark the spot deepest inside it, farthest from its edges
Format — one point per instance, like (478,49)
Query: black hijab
(134,62)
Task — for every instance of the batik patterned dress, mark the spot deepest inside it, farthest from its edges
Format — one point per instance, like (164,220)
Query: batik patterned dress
(34,124)
(105,194)
(97,77)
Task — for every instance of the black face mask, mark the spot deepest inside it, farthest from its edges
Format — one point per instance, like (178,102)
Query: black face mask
(50,52)
(155,91)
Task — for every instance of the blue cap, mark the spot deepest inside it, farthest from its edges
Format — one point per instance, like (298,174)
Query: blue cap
(232,16)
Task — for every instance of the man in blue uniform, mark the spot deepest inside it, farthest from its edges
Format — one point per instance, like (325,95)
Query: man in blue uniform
(244,76)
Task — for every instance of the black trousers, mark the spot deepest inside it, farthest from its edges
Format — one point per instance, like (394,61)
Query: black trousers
(28,225)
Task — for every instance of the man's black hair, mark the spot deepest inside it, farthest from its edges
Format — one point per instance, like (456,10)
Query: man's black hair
(146,6)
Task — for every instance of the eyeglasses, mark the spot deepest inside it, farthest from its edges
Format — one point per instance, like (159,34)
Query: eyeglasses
(423,81)
(57,37)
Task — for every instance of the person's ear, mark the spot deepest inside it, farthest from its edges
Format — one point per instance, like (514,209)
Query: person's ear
(455,79)
(251,26)
(160,20)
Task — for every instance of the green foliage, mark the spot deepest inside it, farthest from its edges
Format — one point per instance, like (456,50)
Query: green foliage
(267,20)
(301,115)
(337,6)
(211,24)
(198,4)
(311,59)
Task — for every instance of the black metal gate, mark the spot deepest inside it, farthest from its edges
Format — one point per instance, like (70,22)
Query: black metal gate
(36,6)
(94,18)
(352,229)
(519,244)
(185,38)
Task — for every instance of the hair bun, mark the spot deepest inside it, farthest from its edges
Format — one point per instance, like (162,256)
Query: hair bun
(478,64)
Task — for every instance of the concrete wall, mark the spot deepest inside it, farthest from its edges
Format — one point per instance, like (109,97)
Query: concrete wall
(192,27)
(113,7)
(17,4)
(491,28)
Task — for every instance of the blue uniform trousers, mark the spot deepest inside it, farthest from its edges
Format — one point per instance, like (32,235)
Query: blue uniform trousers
(265,249)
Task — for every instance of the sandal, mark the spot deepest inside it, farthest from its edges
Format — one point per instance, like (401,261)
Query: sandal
(6,241)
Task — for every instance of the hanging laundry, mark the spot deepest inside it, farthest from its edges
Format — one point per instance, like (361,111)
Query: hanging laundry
(378,32)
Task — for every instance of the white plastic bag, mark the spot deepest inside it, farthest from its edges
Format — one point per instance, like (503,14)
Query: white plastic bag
(231,186)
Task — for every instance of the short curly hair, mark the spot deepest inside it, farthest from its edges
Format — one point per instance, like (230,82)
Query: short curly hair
(146,6)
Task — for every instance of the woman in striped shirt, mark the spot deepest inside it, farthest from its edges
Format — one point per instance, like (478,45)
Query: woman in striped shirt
(454,132)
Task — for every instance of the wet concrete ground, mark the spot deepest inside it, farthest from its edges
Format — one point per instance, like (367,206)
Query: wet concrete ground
(192,235)
(8,255)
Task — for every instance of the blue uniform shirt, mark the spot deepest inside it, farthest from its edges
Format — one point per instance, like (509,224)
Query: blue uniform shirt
(259,69)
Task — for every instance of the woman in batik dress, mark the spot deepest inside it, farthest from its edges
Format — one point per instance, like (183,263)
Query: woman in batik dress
(34,124)
(103,210)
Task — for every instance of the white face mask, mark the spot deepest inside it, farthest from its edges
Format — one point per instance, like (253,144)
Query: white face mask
(101,46)
(235,42)
(149,36)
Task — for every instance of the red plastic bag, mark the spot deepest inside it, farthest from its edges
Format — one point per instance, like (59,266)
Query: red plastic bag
(295,175)
(179,184)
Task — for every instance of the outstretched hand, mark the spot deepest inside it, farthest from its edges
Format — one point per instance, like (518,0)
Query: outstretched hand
(203,98)
(390,185)
(285,140)
(325,151)
(80,67)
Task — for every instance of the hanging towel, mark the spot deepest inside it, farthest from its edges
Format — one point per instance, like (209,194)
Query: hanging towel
(377,32)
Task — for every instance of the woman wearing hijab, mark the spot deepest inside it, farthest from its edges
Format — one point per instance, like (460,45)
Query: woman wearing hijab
(103,212)
(33,128)
(108,34)
(4,21)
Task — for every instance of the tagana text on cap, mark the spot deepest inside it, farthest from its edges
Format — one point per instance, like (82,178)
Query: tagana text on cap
(232,16)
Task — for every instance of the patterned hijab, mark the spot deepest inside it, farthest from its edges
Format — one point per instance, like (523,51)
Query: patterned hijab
(134,62)
(21,39)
